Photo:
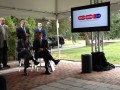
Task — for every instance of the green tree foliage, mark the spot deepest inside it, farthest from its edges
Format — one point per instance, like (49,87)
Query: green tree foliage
(114,27)
(65,30)
(12,36)
(31,24)
(51,28)
(16,21)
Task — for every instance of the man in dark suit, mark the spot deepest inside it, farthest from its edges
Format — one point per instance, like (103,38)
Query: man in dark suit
(3,43)
(22,29)
(23,47)
(40,29)
(40,46)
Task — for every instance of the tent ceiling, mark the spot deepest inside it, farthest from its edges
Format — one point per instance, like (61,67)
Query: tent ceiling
(45,8)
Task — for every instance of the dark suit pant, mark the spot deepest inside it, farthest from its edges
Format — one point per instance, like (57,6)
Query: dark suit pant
(3,85)
(3,54)
(46,55)
(25,54)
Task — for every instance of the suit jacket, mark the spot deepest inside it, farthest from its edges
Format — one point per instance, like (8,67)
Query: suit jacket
(2,36)
(23,50)
(37,45)
(21,46)
(42,31)
(20,31)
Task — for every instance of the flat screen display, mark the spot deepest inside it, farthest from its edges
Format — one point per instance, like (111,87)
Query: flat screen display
(91,18)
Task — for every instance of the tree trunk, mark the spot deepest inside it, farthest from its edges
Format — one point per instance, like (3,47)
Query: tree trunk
(86,38)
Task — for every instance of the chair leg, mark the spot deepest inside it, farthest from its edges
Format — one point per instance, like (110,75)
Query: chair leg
(19,66)
(39,65)
(36,67)
(20,63)
(32,66)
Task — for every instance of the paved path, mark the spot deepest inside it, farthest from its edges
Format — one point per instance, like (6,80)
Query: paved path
(67,76)
(69,47)
(77,84)
(81,45)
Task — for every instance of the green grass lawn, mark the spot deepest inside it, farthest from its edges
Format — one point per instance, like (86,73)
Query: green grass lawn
(112,53)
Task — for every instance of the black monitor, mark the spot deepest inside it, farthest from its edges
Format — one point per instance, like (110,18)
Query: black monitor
(91,18)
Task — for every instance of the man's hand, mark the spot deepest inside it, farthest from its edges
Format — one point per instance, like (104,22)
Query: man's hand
(41,49)
(27,34)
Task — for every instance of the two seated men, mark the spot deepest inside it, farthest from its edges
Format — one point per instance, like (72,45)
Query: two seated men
(40,46)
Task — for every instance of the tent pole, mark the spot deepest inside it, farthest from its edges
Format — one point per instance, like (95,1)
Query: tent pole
(57,26)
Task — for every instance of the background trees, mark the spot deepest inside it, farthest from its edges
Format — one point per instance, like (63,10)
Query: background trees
(115,27)
(11,37)
(64,29)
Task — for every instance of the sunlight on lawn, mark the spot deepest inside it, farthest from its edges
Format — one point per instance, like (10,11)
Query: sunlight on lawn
(111,50)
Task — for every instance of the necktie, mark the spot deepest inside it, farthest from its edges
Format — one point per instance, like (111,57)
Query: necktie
(40,42)
(24,29)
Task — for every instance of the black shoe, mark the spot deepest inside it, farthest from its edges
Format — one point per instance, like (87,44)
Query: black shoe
(6,66)
(25,74)
(36,63)
(22,64)
(47,73)
(57,61)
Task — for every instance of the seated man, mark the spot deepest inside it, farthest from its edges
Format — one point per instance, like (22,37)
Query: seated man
(40,46)
(23,48)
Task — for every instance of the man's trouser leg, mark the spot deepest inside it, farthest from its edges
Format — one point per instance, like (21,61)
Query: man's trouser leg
(1,55)
(3,85)
(5,54)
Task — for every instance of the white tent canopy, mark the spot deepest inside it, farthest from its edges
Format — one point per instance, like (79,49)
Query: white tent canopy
(45,8)
(50,9)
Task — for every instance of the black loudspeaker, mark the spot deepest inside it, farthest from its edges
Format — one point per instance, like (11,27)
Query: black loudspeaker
(99,62)
(86,63)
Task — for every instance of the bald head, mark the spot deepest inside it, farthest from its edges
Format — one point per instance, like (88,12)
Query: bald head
(2,21)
